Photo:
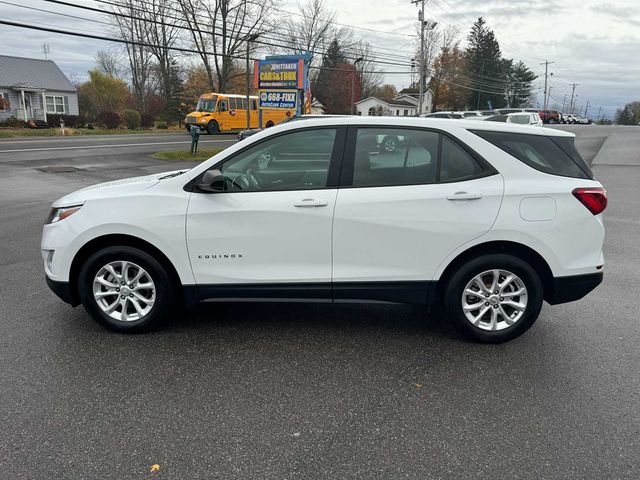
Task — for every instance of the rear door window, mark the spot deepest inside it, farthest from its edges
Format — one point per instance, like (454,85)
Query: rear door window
(541,152)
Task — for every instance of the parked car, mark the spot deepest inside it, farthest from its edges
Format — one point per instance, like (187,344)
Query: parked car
(550,116)
(471,115)
(524,118)
(505,111)
(487,219)
(442,115)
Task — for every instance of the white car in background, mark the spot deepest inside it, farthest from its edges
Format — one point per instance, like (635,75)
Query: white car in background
(485,218)
(525,118)
(569,118)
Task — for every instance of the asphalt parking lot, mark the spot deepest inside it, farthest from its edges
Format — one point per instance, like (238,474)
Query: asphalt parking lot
(292,391)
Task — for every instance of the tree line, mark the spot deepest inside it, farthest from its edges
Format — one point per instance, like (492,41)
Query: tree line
(172,51)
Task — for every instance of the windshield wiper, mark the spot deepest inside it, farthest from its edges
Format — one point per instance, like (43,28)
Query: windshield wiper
(175,174)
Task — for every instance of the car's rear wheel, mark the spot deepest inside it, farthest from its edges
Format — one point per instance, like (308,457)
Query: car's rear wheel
(126,290)
(493,298)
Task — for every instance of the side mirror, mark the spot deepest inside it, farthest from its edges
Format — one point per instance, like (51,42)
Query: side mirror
(211,182)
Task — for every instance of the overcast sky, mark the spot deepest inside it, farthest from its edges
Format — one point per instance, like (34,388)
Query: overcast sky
(592,42)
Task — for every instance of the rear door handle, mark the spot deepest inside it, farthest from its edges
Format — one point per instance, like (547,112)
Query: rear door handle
(464,196)
(310,203)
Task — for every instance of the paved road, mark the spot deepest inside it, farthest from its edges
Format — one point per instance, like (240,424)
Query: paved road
(277,391)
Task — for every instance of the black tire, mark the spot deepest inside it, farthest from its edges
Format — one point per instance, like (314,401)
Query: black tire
(165,292)
(452,297)
(213,128)
(389,143)
(269,124)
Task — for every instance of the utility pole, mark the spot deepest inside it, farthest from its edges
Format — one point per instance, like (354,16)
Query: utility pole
(421,60)
(573,91)
(480,88)
(586,109)
(599,112)
(46,49)
(564,100)
(252,38)
(353,85)
(546,64)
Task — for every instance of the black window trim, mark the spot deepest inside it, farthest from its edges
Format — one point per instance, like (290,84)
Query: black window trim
(588,173)
(348,158)
(333,175)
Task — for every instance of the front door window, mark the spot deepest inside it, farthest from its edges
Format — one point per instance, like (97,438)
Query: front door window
(294,161)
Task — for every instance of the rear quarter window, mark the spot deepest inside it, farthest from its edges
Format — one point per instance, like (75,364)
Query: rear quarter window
(556,156)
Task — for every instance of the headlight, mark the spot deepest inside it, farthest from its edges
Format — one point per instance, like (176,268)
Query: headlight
(58,214)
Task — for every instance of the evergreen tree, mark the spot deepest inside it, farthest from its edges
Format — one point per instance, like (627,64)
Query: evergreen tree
(485,67)
(519,84)
(322,85)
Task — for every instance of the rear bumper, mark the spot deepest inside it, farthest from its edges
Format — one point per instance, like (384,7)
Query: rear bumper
(63,291)
(570,289)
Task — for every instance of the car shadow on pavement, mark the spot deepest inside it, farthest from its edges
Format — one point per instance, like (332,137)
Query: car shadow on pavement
(292,316)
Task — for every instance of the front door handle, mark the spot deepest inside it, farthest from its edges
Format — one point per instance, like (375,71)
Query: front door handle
(464,196)
(310,203)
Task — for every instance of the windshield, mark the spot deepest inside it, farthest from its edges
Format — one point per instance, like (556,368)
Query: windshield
(206,104)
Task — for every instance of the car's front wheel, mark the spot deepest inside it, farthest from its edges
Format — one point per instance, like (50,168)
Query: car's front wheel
(126,290)
(493,298)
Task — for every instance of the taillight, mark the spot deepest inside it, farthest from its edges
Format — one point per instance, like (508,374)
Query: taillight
(594,198)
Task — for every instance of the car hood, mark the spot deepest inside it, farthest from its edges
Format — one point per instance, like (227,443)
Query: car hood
(114,188)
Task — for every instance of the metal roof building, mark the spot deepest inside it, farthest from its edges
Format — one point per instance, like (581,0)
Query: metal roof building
(33,88)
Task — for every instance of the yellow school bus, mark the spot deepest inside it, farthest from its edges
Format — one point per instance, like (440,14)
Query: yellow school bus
(227,112)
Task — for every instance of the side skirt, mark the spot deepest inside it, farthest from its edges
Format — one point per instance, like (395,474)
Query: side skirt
(419,293)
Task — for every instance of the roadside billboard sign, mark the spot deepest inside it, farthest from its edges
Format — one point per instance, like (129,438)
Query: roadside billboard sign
(278,99)
(277,73)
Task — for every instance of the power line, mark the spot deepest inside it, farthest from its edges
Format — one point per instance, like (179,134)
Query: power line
(271,43)
(495,86)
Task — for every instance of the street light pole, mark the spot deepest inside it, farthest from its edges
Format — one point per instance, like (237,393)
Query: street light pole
(250,39)
(353,85)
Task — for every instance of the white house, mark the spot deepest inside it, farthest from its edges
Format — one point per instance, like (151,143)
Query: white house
(35,88)
(405,104)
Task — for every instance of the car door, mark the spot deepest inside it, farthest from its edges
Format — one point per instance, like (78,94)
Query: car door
(271,224)
(399,214)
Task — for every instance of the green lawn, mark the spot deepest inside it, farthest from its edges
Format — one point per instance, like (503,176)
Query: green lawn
(203,154)
(55,132)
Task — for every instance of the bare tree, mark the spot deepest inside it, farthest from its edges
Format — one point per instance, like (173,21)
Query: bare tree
(109,63)
(224,27)
(309,31)
(163,32)
(370,76)
(134,30)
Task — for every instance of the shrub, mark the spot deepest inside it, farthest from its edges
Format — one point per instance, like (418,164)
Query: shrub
(110,119)
(146,120)
(162,125)
(71,121)
(12,122)
(132,119)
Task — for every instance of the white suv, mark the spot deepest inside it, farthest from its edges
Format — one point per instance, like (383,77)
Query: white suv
(487,218)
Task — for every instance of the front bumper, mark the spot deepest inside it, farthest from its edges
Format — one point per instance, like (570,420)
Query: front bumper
(64,292)
(572,288)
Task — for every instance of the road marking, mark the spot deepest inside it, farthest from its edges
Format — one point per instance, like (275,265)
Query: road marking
(78,147)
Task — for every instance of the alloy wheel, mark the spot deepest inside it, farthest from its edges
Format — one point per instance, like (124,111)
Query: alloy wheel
(124,291)
(494,300)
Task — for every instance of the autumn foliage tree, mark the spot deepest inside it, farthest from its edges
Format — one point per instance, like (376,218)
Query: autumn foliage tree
(446,84)
(102,93)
